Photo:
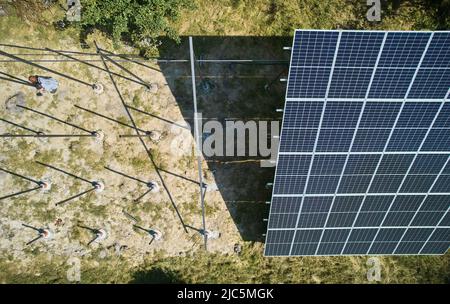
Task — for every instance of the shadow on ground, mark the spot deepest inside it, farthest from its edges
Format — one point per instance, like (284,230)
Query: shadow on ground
(237,92)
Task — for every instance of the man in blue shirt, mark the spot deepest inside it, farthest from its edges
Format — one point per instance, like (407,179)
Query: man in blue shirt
(44,84)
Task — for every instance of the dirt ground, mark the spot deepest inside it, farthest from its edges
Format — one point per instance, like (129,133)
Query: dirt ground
(87,157)
(230,208)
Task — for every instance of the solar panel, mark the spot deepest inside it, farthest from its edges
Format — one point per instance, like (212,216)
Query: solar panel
(364,159)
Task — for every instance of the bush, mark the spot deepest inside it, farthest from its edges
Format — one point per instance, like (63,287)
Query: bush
(139,21)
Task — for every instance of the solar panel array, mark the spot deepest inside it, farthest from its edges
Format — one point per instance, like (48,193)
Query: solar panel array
(363,164)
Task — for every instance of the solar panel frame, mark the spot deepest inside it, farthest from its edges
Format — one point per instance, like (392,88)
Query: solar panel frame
(320,124)
(357,126)
(315,220)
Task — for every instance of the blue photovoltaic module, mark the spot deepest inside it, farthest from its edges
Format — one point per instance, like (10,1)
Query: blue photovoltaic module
(363,165)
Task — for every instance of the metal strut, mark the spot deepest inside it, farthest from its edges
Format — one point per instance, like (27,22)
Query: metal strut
(197,141)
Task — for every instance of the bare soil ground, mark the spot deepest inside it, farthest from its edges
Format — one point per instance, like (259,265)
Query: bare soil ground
(86,157)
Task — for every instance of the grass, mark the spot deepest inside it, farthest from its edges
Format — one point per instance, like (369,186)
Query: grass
(280,17)
(42,213)
(249,267)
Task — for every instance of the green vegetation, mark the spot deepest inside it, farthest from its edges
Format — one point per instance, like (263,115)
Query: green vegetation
(142,22)
(249,267)
(281,17)
(140,163)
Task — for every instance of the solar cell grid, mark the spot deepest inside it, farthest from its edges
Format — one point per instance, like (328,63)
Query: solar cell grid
(418,114)
(443,119)
(359,49)
(407,203)
(354,183)
(364,164)
(347,203)
(341,114)
(406,139)
(391,83)
(350,82)
(340,219)
(430,83)
(438,53)
(285,205)
(403,49)
(334,140)
(428,163)
(417,183)
(440,235)
(309,82)
(442,184)
(303,114)
(293,164)
(297,140)
(380,115)
(370,140)
(314,48)
(327,164)
(437,140)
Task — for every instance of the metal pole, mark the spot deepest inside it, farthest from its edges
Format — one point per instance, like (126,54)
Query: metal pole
(19,126)
(45,68)
(31,227)
(55,118)
(154,116)
(97,67)
(21,176)
(139,227)
(20,192)
(129,216)
(63,51)
(134,135)
(126,175)
(159,61)
(12,80)
(93,240)
(123,68)
(18,80)
(197,140)
(45,135)
(141,140)
(111,119)
(67,173)
(93,230)
(140,197)
(75,196)
(128,59)
(34,240)
(180,176)
(95,60)
(148,231)
(151,241)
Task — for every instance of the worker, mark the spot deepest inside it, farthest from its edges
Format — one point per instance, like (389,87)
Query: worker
(44,84)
